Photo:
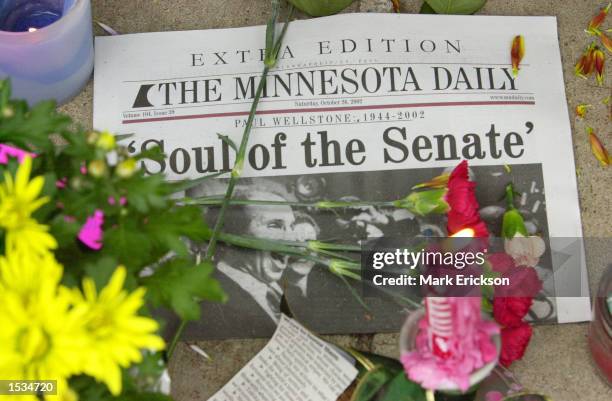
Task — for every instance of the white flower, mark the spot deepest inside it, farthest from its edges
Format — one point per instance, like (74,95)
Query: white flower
(526,251)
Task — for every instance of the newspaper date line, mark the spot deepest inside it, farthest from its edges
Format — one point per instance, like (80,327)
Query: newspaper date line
(331,119)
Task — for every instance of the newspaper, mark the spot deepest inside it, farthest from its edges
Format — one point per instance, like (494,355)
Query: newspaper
(359,107)
(293,366)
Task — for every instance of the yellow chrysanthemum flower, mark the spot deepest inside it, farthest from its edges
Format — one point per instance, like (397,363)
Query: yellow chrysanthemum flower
(26,274)
(19,198)
(116,331)
(43,339)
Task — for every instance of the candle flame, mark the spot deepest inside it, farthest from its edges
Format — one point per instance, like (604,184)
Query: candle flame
(466,232)
(32,29)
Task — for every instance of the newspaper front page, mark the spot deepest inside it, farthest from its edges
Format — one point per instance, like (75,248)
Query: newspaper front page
(359,107)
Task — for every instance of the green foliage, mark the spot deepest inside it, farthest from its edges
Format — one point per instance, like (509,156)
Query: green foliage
(390,364)
(91,390)
(141,221)
(423,203)
(383,379)
(371,383)
(143,226)
(101,271)
(513,224)
(318,8)
(22,126)
(426,9)
(179,285)
(402,389)
(452,6)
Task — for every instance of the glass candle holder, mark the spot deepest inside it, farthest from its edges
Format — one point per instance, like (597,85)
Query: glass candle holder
(600,332)
(448,391)
(46,48)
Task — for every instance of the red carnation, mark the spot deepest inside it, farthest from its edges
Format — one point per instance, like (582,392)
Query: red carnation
(509,311)
(524,281)
(464,207)
(501,262)
(514,343)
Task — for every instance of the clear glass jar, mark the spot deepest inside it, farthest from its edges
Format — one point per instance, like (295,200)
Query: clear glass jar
(600,330)
(448,391)
(50,62)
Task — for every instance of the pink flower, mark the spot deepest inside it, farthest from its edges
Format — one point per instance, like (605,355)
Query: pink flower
(112,201)
(91,232)
(61,183)
(7,151)
(470,348)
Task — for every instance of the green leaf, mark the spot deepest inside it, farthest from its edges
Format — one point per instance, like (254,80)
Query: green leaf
(426,9)
(424,203)
(147,192)
(168,228)
(5,93)
(152,153)
(184,185)
(513,224)
(318,8)
(90,389)
(181,286)
(464,7)
(371,383)
(402,389)
(129,244)
(103,268)
(25,127)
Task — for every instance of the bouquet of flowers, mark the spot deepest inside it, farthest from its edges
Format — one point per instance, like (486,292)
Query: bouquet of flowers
(77,235)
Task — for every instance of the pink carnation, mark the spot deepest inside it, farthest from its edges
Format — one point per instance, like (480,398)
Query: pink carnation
(471,348)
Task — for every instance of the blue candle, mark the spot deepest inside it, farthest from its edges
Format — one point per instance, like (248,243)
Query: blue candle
(27,15)
(46,47)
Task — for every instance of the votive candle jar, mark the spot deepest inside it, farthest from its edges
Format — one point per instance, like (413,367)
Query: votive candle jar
(600,330)
(46,48)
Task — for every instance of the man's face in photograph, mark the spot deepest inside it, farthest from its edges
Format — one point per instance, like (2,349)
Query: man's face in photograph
(269,222)
(303,231)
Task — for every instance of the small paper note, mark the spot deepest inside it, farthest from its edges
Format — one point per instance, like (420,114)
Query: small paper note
(293,366)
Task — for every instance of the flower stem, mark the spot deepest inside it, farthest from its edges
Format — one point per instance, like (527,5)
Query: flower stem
(510,196)
(320,245)
(362,359)
(216,200)
(272,48)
